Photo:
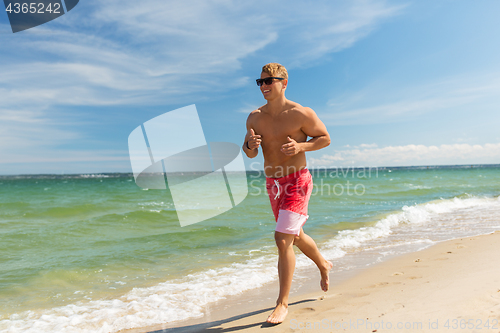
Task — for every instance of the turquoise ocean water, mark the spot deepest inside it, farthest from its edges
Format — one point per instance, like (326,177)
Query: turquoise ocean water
(96,253)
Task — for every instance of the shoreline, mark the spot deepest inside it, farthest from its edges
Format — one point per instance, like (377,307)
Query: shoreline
(451,286)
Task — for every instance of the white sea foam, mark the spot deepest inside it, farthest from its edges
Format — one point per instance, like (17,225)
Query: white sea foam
(93,176)
(187,297)
(417,187)
(165,302)
(431,220)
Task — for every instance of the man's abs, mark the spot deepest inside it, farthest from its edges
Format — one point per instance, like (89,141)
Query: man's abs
(285,165)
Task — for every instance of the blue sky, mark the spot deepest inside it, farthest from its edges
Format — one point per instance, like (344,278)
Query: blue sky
(396,82)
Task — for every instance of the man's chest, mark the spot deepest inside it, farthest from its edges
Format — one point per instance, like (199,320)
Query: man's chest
(277,128)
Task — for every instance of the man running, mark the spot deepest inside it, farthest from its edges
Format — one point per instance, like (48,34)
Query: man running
(281,127)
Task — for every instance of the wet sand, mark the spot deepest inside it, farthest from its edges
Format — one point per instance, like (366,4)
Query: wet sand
(453,286)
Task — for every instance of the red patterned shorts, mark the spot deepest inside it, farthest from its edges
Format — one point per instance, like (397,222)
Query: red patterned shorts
(289,198)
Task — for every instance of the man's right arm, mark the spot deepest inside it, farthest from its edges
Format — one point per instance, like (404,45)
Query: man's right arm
(252,141)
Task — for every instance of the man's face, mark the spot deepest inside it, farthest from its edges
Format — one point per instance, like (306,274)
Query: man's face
(273,90)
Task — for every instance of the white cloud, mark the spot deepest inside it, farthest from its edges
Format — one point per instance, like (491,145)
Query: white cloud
(150,52)
(365,107)
(370,145)
(73,156)
(34,153)
(412,155)
(29,132)
(162,50)
(247,108)
(313,30)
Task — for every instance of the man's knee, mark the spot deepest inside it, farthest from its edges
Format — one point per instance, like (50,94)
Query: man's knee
(283,241)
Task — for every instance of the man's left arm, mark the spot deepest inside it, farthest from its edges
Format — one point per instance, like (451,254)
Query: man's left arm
(313,127)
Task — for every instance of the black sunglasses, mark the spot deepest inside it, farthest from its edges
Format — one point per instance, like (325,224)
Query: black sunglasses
(267,80)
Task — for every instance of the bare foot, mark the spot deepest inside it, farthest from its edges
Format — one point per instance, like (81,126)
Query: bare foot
(325,280)
(278,315)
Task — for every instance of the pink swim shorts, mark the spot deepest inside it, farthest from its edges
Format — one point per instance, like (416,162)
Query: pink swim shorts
(289,198)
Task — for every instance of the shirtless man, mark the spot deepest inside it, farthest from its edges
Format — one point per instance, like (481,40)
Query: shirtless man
(281,128)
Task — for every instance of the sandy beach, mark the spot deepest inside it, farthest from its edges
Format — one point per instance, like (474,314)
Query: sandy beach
(453,286)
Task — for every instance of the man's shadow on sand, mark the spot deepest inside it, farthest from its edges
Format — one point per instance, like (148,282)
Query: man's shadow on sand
(211,326)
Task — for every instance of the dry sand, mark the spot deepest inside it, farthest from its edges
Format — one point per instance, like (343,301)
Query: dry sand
(452,286)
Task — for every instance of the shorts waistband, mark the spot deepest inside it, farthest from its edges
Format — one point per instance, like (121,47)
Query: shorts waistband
(289,176)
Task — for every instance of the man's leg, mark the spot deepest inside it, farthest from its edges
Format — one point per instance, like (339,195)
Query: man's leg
(286,266)
(307,245)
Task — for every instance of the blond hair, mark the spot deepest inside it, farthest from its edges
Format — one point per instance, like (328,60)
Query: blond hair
(276,70)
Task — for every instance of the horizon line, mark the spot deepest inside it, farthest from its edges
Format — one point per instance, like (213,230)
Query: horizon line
(94,174)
